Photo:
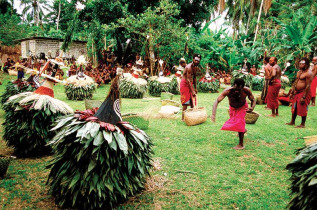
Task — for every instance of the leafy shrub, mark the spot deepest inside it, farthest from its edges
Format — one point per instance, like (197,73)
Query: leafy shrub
(79,93)
(129,89)
(97,165)
(257,83)
(304,180)
(246,77)
(205,87)
(173,86)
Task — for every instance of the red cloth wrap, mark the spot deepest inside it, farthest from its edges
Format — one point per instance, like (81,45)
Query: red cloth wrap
(302,109)
(186,94)
(45,91)
(313,87)
(284,98)
(272,94)
(237,119)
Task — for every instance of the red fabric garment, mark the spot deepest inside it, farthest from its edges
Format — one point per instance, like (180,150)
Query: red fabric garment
(237,119)
(167,72)
(135,75)
(45,91)
(302,109)
(186,94)
(272,94)
(284,99)
(313,87)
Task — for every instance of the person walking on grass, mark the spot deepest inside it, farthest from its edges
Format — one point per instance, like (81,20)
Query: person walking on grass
(301,93)
(237,95)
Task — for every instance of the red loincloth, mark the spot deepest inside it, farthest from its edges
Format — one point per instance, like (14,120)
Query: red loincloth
(45,91)
(302,109)
(186,94)
(272,94)
(237,119)
(313,87)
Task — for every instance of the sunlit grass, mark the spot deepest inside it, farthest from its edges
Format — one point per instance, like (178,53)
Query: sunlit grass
(219,177)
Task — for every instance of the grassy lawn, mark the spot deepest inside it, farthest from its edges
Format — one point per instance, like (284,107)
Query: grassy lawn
(219,178)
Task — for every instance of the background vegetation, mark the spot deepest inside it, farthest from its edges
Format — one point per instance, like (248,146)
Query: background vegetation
(171,29)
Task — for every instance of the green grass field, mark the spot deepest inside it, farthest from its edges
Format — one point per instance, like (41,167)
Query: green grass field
(197,167)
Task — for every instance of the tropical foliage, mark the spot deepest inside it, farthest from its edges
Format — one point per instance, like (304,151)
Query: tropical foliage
(304,181)
(258,83)
(13,89)
(97,165)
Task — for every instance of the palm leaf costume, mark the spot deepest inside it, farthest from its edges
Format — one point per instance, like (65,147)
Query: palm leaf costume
(28,119)
(99,160)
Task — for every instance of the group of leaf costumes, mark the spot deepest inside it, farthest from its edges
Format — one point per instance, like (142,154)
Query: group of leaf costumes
(99,160)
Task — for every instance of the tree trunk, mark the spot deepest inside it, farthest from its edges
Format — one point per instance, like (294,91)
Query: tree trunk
(248,24)
(258,21)
(58,16)
(152,55)
(35,13)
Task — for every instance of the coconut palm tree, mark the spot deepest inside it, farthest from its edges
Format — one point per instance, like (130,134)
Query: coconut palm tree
(36,8)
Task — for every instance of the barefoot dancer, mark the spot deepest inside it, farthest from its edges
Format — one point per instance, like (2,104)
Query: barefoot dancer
(188,83)
(238,108)
(301,93)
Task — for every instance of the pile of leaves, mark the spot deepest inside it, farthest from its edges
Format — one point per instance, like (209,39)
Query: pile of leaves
(156,87)
(27,124)
(13,89)
(130,89)
(257,83)
(304,179)
(79,93)
(248,78)
(96,164)
(206,86)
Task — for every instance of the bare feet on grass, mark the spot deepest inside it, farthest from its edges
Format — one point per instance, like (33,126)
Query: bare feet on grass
(238,147)
(271,115)
(290,123)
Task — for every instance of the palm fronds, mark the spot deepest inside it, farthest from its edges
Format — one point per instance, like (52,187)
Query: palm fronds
(132,87)
(28,120)
(13,89)
(304,179)
(97,165)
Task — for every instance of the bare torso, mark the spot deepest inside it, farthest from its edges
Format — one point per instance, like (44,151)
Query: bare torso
(190,72)
(302,78)
(268,70)
(237,98)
